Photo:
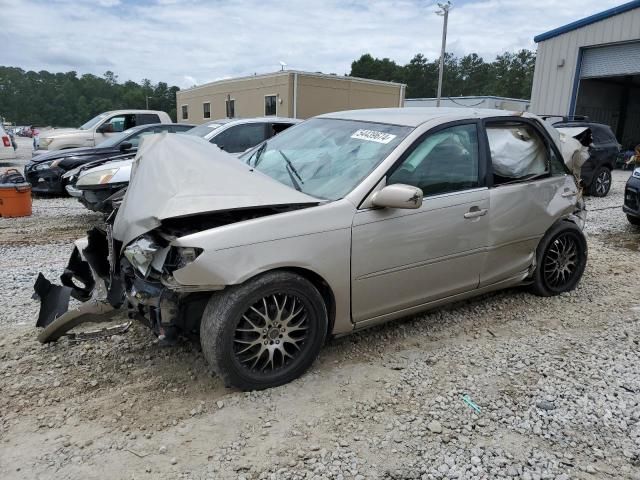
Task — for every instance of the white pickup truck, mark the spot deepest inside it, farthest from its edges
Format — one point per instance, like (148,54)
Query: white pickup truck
(98,129)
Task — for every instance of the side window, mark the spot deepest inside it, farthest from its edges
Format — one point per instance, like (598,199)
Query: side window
(518,152)
(119,123)
(276,128)
(147,118)
(269,105)
(445,161)
(241,137)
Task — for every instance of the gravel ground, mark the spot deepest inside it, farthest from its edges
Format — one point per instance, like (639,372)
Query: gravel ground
(555,380)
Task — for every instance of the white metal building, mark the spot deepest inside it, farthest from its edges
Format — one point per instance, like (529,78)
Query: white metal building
(592,67)
(482,101)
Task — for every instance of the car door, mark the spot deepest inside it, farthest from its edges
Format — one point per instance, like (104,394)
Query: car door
(530,189)
(406,258)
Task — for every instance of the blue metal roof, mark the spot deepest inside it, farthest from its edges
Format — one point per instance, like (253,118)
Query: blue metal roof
(587,21)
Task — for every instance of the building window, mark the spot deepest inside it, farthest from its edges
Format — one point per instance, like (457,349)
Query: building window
(206,110)
(185,112)
(231,108)
(269,105)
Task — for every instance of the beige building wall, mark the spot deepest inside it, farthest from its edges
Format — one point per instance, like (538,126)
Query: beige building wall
(315,94)
(248,94)
(557,59)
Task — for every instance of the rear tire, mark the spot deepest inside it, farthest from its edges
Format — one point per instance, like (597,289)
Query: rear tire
(265,332)
(601,183)
(561,259)
(633,220)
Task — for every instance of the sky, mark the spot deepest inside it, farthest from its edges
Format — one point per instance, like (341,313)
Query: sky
(187,42)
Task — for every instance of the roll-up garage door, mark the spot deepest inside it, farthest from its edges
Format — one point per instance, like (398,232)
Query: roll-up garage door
(612,60)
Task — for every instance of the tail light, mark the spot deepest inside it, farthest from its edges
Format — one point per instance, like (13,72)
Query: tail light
(6,141)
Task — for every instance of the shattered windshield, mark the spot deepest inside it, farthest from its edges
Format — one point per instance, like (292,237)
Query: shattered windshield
(93,122)
(326,158)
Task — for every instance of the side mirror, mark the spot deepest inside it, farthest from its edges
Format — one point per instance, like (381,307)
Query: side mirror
(103,128)
(398,196)
(125,146)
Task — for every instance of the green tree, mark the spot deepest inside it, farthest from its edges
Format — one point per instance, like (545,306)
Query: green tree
(509,75)
(65,100)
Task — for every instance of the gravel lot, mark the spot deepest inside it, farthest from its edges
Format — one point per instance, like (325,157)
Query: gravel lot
(556,381)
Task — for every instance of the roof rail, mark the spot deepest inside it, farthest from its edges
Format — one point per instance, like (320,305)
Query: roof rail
(567,118)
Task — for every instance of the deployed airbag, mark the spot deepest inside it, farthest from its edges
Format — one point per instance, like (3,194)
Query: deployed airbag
(516,153)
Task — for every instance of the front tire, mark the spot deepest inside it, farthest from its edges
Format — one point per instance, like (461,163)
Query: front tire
(601,183)
(561,259)
(265,332)
(633,220)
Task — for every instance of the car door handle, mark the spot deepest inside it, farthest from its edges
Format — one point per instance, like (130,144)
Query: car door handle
(569,194)
(475,212)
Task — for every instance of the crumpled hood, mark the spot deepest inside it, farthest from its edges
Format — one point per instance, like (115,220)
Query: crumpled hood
(183,175)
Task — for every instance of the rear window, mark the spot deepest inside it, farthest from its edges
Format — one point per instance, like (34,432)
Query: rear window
(146,118)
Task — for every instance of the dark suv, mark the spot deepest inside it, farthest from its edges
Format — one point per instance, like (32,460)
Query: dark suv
(596,171)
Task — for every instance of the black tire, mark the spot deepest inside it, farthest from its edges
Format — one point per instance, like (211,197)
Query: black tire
(547,281)
(601,182)
(223,340)
(633,220)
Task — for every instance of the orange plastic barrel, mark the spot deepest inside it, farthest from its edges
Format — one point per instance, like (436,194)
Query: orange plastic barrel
(15,199)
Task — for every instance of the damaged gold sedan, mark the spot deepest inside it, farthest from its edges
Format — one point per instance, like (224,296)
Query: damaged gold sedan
(344,221)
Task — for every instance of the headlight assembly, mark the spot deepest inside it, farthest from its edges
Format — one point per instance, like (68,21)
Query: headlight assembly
(636,173)
(98,177)
(145,253)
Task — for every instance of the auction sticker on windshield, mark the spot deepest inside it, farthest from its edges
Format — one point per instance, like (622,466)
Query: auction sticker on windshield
(373,136)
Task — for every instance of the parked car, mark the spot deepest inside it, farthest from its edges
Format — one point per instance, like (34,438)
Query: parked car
(98,129)
(46,172)
(6,146)
(95,186)
(631,204)
(236,135)
(344,221)
(603,154)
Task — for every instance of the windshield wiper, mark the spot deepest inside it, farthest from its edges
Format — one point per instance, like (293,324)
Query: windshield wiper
(258,154)
(290,165)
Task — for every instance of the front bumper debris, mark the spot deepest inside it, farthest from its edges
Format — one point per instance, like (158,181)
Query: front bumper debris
(87,278)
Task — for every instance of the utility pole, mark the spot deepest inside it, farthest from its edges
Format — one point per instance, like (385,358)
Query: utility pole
(443,12)
(147,99)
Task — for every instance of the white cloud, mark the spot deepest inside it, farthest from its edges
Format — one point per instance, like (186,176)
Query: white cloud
(178,41)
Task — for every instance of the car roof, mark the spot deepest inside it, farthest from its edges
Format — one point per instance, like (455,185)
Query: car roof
(415,116)
(131,110)
(225,121)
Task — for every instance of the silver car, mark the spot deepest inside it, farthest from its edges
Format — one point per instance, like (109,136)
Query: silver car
(344,221)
